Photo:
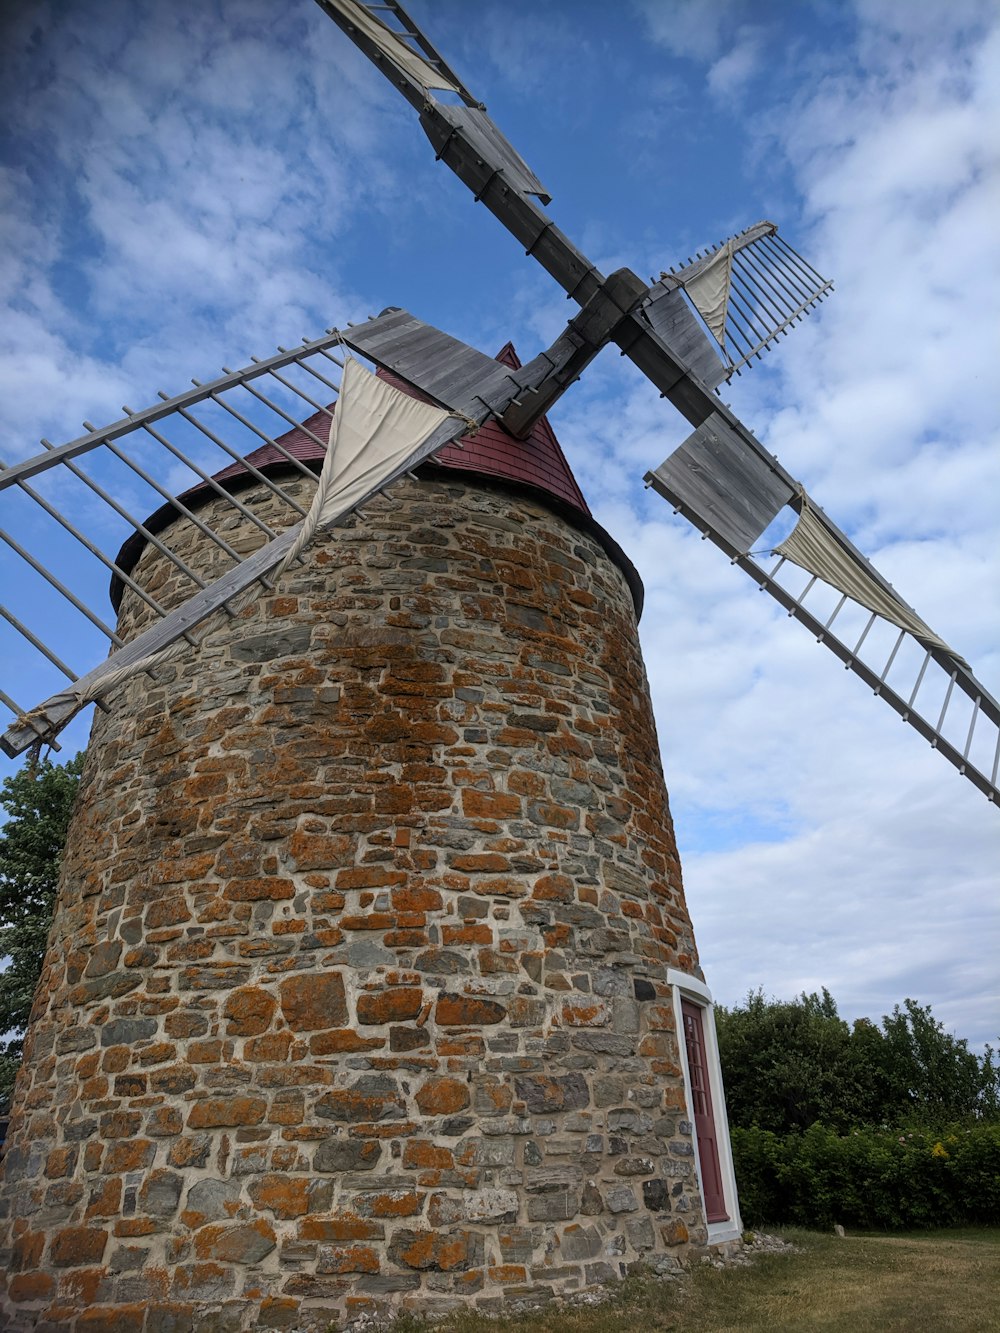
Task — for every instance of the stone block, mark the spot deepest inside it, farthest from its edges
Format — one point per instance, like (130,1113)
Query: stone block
(633,1166)
(543,1094)
(128,1031)
(210,1200)
(674,1232)
(287,1196)
(656,1195)
(373,1097)
(442,1096)
(313,1001)
(621,1199)
(75,1247)
(249,1011)
(386,1283)
(339,1155)
(242,1243)
(160,1193)
(438,1251)
(226,1112)
(454,1010)
(347,1259)
(398,1202)
(288,641)
(630,1120)
(552,1179)
(579,1242)
(340,1227)
(189,1150)
(559,1206)
(395,1005)
(597,1274)
(639,1231)
(491,1205)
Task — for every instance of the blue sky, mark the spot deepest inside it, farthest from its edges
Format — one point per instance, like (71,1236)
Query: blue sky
(187,185)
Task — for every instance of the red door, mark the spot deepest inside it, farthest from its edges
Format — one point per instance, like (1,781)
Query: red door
(704,1115)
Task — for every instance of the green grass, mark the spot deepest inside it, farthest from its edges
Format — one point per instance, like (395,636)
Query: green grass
(926,1282)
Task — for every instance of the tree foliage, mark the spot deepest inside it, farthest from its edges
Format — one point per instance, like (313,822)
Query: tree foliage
(788,1064)
(38,802)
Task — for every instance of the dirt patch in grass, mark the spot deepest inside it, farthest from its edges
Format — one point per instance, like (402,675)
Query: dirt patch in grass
(931,1282)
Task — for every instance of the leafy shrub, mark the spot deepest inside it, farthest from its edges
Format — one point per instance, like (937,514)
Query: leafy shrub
(869,1178)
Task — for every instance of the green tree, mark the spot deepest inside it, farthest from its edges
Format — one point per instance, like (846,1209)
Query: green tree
(785,1063)
(932,1075)
(38,802)
(788,1064)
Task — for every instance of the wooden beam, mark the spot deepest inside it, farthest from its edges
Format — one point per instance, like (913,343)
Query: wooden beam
(547,377)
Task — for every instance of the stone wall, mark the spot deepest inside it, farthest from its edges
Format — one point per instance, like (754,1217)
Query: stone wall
(356,995)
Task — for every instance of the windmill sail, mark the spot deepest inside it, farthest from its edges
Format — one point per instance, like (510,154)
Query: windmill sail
(413,61)
(813,545)
(380,435)
(710,288)
(744,294)
(749,290)
(450,371)
(731,489)
(405,54)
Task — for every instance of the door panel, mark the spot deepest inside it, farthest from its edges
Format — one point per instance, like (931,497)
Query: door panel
(703,1114)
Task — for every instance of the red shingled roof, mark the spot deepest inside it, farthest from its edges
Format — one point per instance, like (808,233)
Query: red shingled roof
(537,461)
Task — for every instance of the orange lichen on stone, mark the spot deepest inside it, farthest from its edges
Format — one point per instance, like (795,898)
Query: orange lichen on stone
(340,1227)
(442,1096)
(215,1112)
(310,1001)
(390,1006)
(467,1011)
(74,1246)
(249,1011)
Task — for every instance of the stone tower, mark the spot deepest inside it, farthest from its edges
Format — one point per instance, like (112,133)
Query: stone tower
(371,958)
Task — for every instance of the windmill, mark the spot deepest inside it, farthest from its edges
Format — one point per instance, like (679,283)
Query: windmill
(700,324)
(282,1054)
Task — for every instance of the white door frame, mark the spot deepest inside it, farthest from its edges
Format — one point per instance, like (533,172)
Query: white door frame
(684,986)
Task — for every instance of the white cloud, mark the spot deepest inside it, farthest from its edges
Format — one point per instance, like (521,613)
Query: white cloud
(730,74)
(698,29)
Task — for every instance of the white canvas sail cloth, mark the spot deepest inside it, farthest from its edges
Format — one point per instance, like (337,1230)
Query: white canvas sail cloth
(709,290)
(374,430)
(394,47)
(813,548)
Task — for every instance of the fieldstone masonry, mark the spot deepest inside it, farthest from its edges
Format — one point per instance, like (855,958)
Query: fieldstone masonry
(356,997)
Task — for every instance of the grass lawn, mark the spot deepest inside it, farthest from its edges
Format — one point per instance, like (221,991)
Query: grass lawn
(926,1282)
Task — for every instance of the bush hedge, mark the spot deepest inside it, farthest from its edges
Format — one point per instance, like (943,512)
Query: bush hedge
(877,1179)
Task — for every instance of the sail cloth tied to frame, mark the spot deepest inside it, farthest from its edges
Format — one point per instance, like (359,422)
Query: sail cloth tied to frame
(812,547)
(374,430)
(709,291)
(393,46)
